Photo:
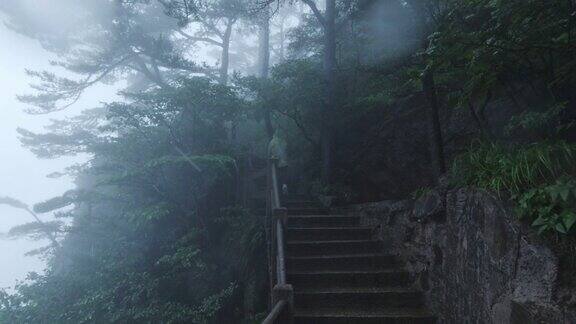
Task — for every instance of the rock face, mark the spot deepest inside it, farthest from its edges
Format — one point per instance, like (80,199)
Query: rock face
(476,263)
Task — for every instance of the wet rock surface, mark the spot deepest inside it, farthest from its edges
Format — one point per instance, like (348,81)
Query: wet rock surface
(474,260)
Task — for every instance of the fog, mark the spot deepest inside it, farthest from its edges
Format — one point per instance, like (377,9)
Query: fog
(22,175)
(51,24)
(174,109)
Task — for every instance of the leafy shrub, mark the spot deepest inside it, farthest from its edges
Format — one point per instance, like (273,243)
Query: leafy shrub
(540,121)
(550,206)
(500,168)
(539,178)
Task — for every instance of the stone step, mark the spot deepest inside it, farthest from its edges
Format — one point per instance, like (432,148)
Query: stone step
(308,211)
(302,204)
(328,233)
(297,197)
(311,248)
(355,262)
(357,298)
(323,221)
(349,279)
(354,316)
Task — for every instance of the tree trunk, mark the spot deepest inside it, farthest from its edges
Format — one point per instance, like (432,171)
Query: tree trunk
(225,64)
(330,79)
(264,45)
(264,63)
(282,40)
(434,128)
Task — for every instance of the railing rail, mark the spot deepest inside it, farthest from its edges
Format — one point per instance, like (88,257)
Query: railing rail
(280,259)
(282,293)
(275,185)
(276,312)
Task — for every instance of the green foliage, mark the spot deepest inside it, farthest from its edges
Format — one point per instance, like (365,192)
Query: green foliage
(551,207)
(35,230)
(13,203)
(155,235)
(55,203)
(521,51)
(513,168)
(144,244)
(487,44)
(546,122)
(538,177)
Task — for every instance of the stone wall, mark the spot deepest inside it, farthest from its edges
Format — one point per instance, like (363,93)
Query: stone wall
(474,260)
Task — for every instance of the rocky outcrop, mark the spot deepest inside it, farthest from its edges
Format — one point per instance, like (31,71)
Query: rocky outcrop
(475,261)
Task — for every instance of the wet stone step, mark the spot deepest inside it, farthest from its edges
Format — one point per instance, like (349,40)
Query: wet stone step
(302,204)
(308,211)
(323,220)
(328,233)
(362,262)
(349,279)
(311,248)
(378,316)
(368,298)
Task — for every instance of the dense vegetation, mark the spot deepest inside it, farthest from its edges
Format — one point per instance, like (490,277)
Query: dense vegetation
(376,99)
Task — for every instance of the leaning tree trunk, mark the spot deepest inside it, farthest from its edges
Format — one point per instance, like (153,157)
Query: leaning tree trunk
(430,92)
(330,79)
(434,128)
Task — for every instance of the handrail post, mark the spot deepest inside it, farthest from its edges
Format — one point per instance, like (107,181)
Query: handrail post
(269,228)
(285,292)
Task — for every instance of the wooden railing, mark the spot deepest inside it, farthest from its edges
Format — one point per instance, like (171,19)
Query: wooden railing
(282,293)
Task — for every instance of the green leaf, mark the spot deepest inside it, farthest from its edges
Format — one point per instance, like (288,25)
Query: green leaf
(569,219)
(540,221)
(565,192)
(542,229)
(560,228)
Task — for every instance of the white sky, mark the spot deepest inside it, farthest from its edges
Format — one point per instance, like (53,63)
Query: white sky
(22,175)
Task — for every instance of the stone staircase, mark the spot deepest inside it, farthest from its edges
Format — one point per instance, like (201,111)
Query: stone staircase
(340,275)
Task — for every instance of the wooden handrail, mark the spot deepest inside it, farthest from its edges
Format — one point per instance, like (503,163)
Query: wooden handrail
(274,178)
(282,293)
(281,260)
(276,312)
(279,226)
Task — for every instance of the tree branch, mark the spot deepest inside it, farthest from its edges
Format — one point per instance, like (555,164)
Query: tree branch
(316,12)
(300,127)
(211,27)
(200,39)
